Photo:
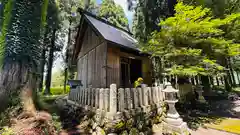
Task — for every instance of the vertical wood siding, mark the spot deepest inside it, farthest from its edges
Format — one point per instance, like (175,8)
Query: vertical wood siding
(90,41)
(113,64)
(92,60)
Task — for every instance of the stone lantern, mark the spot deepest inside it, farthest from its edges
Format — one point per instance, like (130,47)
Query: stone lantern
(199,90)
(173,122)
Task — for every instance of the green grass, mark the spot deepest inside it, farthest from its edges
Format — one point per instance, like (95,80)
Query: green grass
(58,90)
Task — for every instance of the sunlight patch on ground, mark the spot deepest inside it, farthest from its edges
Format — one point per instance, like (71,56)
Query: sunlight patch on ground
(229,125)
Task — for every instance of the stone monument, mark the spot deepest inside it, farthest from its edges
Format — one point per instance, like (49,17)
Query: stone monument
(199,90)
(173,123)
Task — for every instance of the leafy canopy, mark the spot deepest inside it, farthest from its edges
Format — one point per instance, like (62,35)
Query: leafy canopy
(113,13)
(148,15)
(192,41)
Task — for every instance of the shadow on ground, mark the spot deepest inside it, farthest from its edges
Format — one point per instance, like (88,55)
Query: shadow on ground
(214,111)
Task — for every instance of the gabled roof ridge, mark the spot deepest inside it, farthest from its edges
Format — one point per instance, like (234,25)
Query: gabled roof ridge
(82,11)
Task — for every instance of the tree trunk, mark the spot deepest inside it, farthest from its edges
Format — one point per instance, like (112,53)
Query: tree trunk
(238,77)
(206,84)
(227,83)
(231,72)
(217,81)
(50,64)
(13,78)
(65,79)
(67,55)
(222,80)
(227,78)
(211,81)
(192,81)
(42,63)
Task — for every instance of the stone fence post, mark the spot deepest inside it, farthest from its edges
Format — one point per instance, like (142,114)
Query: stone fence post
(101,99)
(113,99)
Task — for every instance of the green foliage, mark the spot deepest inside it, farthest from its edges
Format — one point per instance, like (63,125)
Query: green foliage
(220,8)
(119,125)
(57,79)
(69,12)
(147,16)
(6,131)
(192,42)
(133,131)
(113,13)
(57,122)
(44,13)
(13,106)
(7,11)
(22,42)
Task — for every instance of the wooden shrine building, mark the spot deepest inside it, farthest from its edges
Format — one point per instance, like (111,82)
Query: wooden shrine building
(105,54)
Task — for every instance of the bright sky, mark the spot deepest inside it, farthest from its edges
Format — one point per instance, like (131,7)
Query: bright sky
(57,63)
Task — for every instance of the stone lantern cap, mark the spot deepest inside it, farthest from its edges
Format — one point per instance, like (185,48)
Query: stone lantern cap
(169,88)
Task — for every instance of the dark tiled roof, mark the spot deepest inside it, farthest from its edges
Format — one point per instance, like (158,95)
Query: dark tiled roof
(113,34)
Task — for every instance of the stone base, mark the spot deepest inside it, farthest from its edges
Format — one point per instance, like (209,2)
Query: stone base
(157,129)
(181,129)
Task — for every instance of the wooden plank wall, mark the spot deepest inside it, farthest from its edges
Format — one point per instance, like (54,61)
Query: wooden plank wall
(92,60)
(92,67)
(113,64)
(101,65)
(90,41)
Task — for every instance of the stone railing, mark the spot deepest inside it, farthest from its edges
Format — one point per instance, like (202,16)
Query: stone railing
(113,99)
(132,108)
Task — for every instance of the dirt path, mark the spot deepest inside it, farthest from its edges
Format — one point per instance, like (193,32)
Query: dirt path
(208,131)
